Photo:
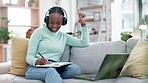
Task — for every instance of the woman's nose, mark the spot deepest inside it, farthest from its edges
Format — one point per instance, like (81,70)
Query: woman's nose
(55,25)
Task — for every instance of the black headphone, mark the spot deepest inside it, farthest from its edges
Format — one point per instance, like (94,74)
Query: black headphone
(55,9)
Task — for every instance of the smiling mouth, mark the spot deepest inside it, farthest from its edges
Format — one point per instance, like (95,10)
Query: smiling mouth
(55,29)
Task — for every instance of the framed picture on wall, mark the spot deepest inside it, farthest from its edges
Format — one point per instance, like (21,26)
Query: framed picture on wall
(96,15)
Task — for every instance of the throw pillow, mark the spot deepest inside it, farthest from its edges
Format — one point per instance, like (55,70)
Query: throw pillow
(137,63)
(19,51)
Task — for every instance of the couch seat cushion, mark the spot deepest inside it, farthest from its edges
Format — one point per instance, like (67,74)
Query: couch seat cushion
(19,79)
(130,80)
(85,81)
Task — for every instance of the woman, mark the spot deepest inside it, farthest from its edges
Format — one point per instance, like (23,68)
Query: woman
(50,42)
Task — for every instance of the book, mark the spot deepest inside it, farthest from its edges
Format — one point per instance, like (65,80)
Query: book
(55,64)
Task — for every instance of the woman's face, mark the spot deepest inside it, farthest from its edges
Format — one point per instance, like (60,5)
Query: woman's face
(55,21)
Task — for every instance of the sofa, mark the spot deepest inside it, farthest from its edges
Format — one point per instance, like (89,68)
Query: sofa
(89,59)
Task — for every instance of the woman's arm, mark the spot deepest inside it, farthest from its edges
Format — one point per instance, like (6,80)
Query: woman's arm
(32,47)
(84,41)
(85,34)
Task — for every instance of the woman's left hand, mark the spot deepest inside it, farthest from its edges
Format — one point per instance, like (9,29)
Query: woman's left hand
(82,18)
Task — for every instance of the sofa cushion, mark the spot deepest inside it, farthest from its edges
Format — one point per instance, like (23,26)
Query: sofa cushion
(137,63)
(90,58)
(19,50)
(130,43)
(130,80)
(66,54)
(19,79)
(85,81)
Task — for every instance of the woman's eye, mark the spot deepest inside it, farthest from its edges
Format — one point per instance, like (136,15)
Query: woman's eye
(51,22)
(58,23)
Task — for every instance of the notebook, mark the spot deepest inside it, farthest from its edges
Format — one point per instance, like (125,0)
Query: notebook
(109,69)
(55,64)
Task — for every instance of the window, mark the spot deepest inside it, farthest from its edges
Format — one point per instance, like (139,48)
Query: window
(127,15)
(20,21)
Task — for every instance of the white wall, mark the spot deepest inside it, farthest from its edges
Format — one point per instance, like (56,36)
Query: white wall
(116,22)
(44,5)
(69,6)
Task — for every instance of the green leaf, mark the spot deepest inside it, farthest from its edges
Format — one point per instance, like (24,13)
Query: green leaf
(4,34)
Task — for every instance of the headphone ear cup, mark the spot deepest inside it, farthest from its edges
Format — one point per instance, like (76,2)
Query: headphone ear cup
(64,21)
(46,20)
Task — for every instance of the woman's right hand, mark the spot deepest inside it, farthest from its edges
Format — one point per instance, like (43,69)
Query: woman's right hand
(41,61)
(82,18)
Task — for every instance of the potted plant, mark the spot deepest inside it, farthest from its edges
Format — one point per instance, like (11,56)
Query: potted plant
(30,3)
(4,35)
(126,35)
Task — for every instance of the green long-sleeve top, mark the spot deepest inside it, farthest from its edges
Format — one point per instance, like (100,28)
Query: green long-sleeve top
(51,45)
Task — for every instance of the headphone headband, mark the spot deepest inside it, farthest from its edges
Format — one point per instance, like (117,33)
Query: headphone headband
(56,9)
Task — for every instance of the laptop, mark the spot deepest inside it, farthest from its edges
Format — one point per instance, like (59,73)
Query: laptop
(109,69)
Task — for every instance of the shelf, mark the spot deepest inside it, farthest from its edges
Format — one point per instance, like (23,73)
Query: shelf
(92,20)
(3,6)
(21,4)
(91,7)
(98,16)
(23,25)
(15,6)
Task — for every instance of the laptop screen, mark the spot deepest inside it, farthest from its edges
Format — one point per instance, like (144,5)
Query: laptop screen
(111,66)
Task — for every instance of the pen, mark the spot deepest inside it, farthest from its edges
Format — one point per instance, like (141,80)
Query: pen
(40,55)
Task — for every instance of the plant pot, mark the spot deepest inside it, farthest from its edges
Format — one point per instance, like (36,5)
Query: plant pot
(30,4)
(3,41)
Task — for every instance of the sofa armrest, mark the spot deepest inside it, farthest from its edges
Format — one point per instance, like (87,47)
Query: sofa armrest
(4,67)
